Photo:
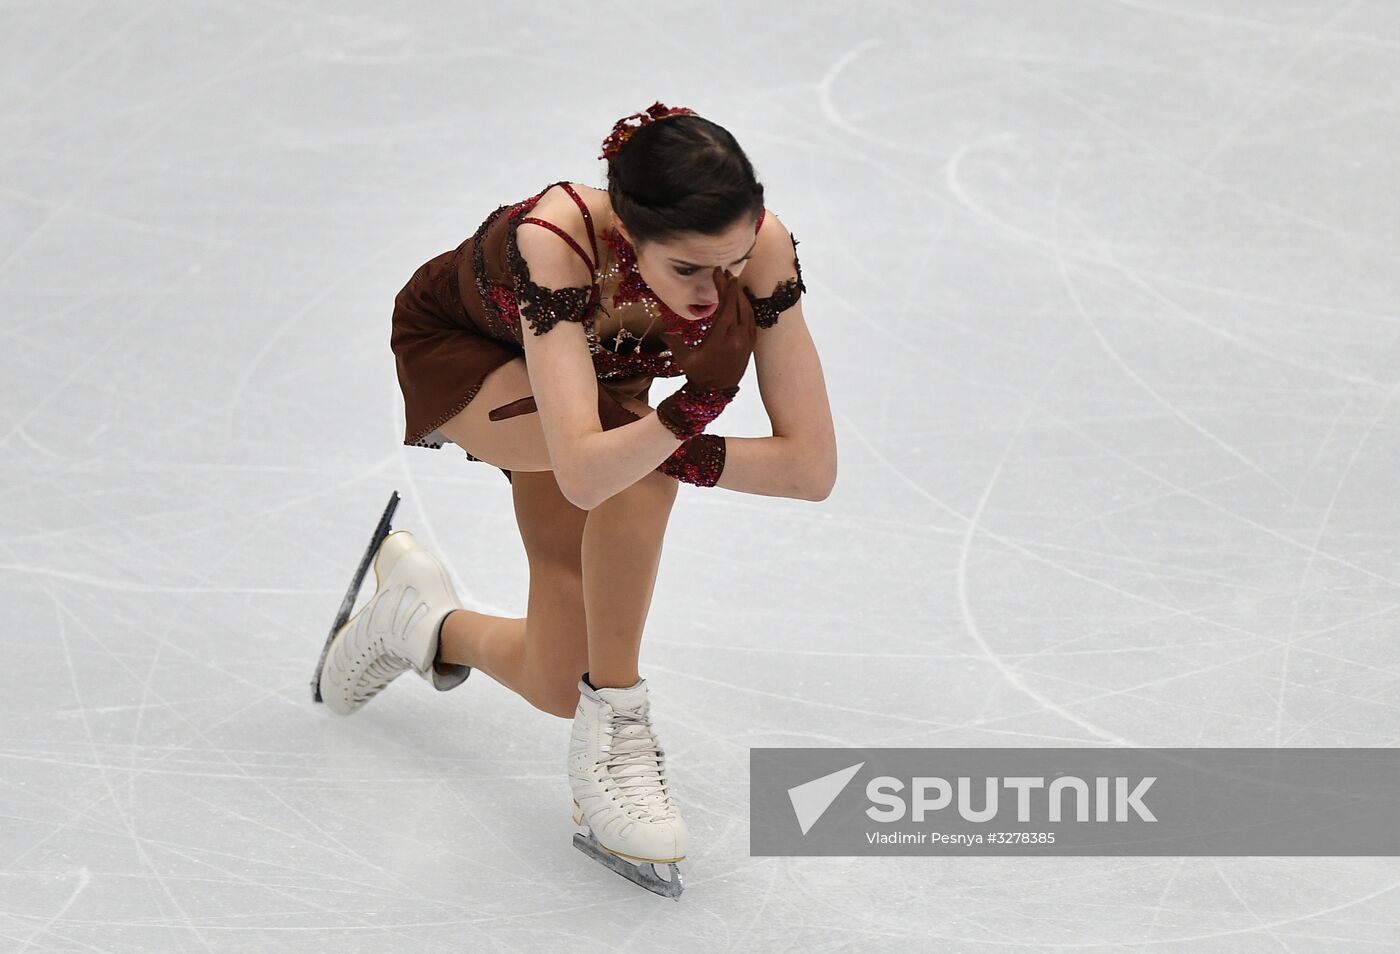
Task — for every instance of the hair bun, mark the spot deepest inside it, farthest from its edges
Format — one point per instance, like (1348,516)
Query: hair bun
(623,129)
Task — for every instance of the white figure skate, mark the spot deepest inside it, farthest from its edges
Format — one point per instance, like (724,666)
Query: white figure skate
(617,771)
(397,630)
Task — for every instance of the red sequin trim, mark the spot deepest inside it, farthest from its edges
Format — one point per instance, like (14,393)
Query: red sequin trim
(505,303)
(691,409)
(699,461)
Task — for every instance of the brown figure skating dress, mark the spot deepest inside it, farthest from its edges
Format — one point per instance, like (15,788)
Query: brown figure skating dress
(459,317)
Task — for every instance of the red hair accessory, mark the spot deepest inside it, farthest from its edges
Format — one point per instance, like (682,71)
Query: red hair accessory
(622,130)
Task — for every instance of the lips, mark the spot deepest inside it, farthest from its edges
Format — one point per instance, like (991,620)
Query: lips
(704,311)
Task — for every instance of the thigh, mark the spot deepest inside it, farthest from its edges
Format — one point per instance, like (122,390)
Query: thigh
(551,528)
(516,443)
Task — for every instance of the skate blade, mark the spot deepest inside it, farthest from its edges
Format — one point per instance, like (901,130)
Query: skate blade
(381,531)
(644,874)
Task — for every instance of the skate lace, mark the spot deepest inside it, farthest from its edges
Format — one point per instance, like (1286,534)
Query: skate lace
(377,675)
(636,761)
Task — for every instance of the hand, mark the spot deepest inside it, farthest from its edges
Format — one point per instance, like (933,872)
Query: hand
(722,356)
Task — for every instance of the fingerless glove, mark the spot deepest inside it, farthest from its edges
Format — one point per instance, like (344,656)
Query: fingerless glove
(687,412)
(698,461)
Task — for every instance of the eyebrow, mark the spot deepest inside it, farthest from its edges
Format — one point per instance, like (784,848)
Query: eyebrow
(748,254)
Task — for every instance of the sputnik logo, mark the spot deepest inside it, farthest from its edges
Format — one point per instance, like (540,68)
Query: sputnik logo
(810,800)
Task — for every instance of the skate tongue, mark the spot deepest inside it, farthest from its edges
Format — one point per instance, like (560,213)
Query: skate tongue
(632,697)
(633,764)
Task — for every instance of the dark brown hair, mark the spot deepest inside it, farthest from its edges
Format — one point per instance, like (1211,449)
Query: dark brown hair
(682,174)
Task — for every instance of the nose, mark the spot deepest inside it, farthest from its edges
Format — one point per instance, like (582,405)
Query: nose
(705,294)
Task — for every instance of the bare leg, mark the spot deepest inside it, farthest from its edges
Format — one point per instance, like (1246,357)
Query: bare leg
(543,655)
(621,553)
(577,621)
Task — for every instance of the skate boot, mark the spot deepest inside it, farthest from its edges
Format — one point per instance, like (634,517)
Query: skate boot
(617,771)
(397,630)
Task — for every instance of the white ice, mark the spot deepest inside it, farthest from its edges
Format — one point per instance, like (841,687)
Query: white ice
(1106,296)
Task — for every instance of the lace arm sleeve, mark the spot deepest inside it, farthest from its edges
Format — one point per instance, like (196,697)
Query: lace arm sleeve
(783,297)
(540,307)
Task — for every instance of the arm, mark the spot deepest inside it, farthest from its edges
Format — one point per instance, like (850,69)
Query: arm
(590,464)
(799,460)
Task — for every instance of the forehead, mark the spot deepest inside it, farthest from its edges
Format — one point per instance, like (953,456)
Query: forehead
(735,242)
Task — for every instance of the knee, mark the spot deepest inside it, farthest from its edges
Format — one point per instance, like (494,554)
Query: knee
(650,493)
(560,702)
(657,486)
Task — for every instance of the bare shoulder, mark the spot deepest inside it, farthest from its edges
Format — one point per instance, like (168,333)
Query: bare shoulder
(774,258)
(551,261)
(557,207)
(773,278)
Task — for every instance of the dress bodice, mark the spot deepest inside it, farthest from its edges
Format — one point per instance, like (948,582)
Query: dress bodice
(622,317)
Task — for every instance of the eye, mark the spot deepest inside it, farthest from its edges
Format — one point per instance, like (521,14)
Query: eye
(686,271)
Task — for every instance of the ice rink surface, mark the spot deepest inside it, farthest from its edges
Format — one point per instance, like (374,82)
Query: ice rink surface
(1105,293)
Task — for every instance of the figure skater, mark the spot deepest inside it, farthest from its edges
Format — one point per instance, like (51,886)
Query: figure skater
(676,269)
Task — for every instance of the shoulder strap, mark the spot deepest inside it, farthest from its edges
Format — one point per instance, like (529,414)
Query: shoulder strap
(587,217)
(587,220)
(563,235)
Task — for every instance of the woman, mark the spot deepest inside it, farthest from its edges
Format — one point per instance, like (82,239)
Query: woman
(688,275)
